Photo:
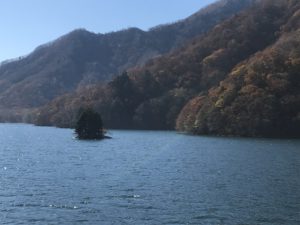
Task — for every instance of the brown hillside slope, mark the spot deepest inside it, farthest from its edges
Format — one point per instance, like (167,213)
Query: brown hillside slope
(260,97)
(151,97)
(82,58)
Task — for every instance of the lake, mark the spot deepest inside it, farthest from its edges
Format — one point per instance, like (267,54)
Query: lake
(146,177)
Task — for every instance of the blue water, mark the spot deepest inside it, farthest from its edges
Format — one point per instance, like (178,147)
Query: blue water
(138,177)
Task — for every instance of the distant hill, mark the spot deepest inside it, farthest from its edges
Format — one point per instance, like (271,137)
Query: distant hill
(82,58)
(241,78)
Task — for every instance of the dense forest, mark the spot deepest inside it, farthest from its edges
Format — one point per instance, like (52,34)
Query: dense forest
(241,78)
(260,97)
(82,58)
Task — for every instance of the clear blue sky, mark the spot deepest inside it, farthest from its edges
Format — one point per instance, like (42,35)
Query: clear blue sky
(25,24)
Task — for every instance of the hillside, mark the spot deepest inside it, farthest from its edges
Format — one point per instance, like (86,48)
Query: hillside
(238,79)
(260,97)
(82,58)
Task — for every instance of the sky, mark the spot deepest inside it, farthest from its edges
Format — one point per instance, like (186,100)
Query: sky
(26,24)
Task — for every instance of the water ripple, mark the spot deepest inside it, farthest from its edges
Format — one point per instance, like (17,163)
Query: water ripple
(47,177)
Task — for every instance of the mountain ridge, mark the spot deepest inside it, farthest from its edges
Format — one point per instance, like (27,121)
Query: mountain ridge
(82,57)
(191,87)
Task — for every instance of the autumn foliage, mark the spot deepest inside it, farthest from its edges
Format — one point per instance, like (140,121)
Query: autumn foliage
(241,78)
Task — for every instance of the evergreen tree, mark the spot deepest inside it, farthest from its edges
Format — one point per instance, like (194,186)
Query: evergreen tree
(89,125)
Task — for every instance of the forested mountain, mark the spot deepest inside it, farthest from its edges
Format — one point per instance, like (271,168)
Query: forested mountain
(241,78)
(260,97)
(81,58)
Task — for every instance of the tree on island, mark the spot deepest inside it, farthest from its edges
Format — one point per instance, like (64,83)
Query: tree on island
(89,125)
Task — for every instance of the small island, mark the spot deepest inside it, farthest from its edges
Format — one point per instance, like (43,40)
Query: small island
(89,125)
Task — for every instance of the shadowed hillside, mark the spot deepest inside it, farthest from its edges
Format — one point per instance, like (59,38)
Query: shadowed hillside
(238,79)
(82,58)
(260,97)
